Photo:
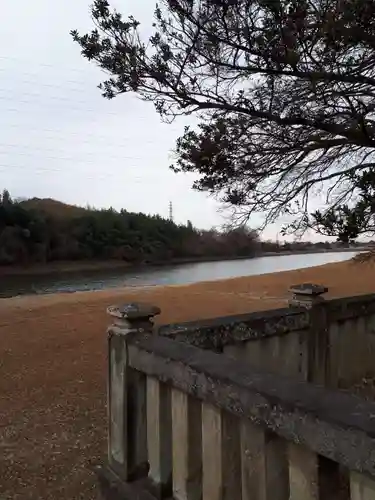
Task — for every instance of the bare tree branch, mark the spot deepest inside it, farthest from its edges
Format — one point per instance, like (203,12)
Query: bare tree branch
(285,90)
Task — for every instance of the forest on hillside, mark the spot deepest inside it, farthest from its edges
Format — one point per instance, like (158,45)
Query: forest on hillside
(35,232)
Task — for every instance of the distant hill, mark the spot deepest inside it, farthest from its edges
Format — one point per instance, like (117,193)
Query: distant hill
(72,233)
(53,207)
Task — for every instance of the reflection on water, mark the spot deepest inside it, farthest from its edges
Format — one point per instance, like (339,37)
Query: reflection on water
(173,275)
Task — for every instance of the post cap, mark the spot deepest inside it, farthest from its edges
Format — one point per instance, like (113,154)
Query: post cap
(133,311)
(308,289)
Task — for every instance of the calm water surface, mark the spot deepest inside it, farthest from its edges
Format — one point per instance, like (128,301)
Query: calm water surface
(173,275)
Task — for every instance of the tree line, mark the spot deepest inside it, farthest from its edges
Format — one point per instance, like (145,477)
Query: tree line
(35,233)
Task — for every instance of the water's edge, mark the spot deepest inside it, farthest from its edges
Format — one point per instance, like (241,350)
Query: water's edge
(72,267)
(183,273)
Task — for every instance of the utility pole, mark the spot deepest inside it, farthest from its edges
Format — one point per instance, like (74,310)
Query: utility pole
(170,211)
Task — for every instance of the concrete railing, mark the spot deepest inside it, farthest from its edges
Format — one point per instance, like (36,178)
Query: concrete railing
(191,424)
(330,342)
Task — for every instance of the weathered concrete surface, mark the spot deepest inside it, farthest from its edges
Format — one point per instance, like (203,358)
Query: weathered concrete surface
(303,473)
(117,404)
(350,307)
(361,487)
(217,333)
(221,454)
(133,311)
(137,424)
(306,295)
(127,445)
(186,446)
(285,354)
(159,436)
(312,341)
(264,464)
(112,487)
(334,424)
(352,351)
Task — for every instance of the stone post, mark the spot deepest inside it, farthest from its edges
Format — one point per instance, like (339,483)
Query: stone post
(127,425)
(309,297)
(133,317)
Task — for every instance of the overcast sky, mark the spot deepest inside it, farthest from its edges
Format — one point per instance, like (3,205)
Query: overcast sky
(60,138)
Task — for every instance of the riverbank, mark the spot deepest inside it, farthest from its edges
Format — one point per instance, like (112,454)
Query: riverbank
(53,368)
(71,267)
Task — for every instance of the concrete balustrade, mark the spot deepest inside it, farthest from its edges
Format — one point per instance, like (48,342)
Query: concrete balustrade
(189,423)
(324,341)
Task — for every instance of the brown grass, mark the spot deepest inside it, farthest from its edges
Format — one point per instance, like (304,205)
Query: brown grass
(52,369)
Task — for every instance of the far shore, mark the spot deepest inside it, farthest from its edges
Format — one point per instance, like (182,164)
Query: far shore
(81,266)
(207,299)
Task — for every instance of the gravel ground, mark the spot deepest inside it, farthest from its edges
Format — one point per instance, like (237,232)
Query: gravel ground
(52,408)
(53,370)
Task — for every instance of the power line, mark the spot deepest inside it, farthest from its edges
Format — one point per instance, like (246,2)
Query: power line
(126,169)
(100,175)
(42,84)
(80,85)
(43,133)
(141,119)
(107,161)
(124,145)
(83,110)
(49,65)
(67,158)
(45,103)
(45,99)
(37,82)
(4,95)
(42,150)
(64,132)
(95,116)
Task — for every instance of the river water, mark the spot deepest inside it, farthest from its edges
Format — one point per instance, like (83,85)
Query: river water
(165,275)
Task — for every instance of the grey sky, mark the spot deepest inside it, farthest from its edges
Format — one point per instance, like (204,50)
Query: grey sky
(61,139)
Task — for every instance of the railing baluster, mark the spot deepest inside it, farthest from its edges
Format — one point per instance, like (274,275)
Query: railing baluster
(159,436)
(221,455)
(264,464)
(362,487)
(187,446)
(137,425)
(117,406)
(314,477)
(303,473)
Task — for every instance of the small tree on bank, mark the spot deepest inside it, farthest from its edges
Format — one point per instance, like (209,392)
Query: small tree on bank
(286,94)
